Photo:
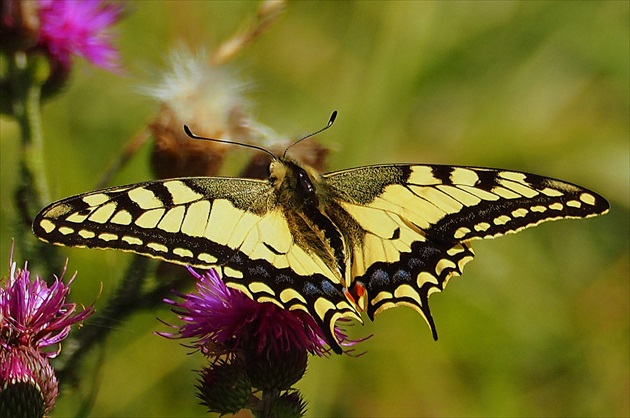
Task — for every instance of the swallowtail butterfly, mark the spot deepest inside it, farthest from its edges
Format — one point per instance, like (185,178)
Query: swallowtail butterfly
(333,245)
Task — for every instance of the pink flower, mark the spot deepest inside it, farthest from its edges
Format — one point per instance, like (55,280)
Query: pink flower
(222,320)
(252,348)
(33,318)
(78,27)
(34,314)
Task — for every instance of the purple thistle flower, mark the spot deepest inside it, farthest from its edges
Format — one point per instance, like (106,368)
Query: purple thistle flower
(71,27)
(222,320)
(33,316)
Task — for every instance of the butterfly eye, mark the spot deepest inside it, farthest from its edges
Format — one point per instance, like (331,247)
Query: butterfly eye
(305,182)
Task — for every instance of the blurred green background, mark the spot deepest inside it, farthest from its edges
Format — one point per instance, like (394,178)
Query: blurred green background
(539,323)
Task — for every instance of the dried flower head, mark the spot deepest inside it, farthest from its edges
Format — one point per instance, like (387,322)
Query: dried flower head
(310,153)
(211,101)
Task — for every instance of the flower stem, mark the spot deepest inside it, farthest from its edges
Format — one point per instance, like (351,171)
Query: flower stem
(28,74)
(28,79)
(32,144)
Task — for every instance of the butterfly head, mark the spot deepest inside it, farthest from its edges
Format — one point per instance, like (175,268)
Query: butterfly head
(293,179)
(302,179)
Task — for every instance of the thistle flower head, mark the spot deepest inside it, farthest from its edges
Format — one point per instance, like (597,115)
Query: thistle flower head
(224,387)
(34,317)
(69,27)
(250,346)
(222,320)
(34,314)
(27,382)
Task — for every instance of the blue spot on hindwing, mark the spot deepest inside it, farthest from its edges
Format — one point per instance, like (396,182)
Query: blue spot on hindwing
(283,278)
(310,289)
(380,278)
(401,276)
(414,263)
(329,289)
(258,270)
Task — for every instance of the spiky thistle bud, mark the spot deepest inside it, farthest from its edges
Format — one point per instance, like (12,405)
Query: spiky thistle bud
(224,387)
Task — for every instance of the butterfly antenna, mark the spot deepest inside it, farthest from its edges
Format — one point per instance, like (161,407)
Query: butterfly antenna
(328,125)
(225,141)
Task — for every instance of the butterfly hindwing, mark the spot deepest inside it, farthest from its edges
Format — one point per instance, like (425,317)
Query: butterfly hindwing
(392,260)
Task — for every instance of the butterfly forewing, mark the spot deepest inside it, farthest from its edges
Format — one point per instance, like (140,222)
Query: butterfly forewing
(181,221)
(455,204)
